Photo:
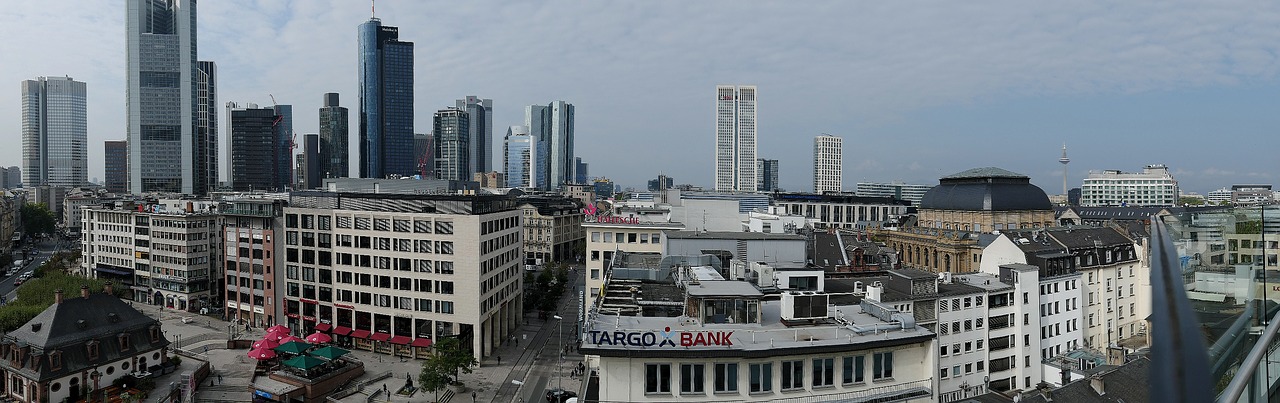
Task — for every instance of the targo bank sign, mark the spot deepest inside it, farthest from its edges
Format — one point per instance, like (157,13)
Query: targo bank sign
(661,338)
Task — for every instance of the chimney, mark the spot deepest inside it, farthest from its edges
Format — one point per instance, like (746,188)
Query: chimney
(108,289)
(57,296)
(1098,385)
(84,291)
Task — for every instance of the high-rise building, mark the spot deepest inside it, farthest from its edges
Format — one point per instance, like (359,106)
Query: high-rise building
(11,177)
(1154,186)
(284,137)
(480,131)
(311,173)
(662,183)
(116,156)
(767,170)
(161,95)
(54,132)
(451,144)
(735,138)
(422,153)
(552,126)
(333,138)
(254,148)
(386,102)
(582,171)
(205,152)
(828,151)
(519,156)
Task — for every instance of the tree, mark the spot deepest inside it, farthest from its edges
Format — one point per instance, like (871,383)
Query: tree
(37,219)
(446,365)
(433,376)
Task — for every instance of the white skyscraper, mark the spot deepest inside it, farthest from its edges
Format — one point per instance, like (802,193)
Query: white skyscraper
(161,95)
(54,132)
(736,138)
(828,151)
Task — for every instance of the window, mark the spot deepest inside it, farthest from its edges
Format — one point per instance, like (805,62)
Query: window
(761,377)
(853,369)
(823,372)
(882,365)
(726,377)
(657,378)
(691,377)
(792,375)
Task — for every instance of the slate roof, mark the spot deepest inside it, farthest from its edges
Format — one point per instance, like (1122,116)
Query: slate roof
(986,189)
(1127,383)
(66,328)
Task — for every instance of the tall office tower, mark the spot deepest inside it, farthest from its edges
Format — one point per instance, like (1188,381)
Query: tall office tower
(205,152)
(254,148)
(311,173)
(552,126)
(422,154)
(519,156)
(116,156)
(283,127)
(736,138)
(481,131)
(12,177)
(451,132)
(54,133)
(767,170)
(828,151)
(161,95)
(581,171)
(386,102)
(333,138)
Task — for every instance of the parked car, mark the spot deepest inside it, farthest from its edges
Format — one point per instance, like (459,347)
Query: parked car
(559,395)
(18,282)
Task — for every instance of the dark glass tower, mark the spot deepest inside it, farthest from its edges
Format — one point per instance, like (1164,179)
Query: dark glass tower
(333,138)
(452,144)
(386,102)
(254,149)
(205,147)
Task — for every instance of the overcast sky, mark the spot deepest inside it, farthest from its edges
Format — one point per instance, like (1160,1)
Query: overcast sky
(918,90)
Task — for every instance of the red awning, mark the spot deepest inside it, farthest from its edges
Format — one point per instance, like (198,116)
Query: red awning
(360,334)
(421,343)
(380,337)
(341,330)
(323,327)
(401,340)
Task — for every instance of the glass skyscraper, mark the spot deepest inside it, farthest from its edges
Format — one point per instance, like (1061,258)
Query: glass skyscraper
(333,138)
(519,155)
(452,144)
(481,131)
(205,153)
(386,102)
(54,132)
(161,95)
(552,126)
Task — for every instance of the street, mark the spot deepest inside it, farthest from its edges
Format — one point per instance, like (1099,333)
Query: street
(46,247)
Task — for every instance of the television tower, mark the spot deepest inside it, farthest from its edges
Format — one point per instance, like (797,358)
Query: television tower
(1064,160)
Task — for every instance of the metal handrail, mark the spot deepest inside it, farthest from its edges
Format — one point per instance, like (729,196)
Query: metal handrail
(1244,375)
(1181,370)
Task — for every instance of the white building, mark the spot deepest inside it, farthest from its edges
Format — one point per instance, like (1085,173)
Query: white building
(828,153)
(718,340)
(904,191)
(55,149)
(1218,196)
(841,210)
(168,252)
(1154,186)
(392,272)
(735,157)
(1014,339)
(611,238)
(776,221)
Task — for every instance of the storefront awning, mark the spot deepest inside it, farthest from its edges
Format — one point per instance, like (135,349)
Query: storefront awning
(341,330)
(113,270)
(380,337)
(401,340)
(323,327)
(421,343)
(360,334)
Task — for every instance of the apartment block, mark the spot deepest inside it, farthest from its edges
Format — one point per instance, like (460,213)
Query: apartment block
(251,228)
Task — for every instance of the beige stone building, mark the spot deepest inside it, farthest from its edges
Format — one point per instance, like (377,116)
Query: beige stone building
(552,230)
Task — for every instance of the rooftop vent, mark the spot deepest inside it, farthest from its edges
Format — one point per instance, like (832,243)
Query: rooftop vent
(113,318)
(35,327)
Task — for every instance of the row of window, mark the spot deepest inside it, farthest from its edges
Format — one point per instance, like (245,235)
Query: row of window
(957,303)
(954,371)
(760,376)
(626,237)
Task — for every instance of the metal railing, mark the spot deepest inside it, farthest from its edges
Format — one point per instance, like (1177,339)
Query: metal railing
(1180,370)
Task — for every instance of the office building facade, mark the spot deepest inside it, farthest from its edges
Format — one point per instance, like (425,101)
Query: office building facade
(282,126)
(552,126)
(310,158)
(161,90)
(54,132)
(334,136)
(519,157)
(12,177)
(1154,186)
(767,170)
(254,149)
(452,144)
(897,190)
(116,158)
(205,151)
(828,153)
(582,172)
(386,102)
(252,230)
(453,261)
(735,157)
(480,131)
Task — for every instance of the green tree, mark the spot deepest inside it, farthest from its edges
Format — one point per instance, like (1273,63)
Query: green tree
(446,365)
(434,376)
(37,219)
(1191,201)
(37,294)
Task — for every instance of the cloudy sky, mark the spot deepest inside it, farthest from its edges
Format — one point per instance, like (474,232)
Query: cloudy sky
(918,90)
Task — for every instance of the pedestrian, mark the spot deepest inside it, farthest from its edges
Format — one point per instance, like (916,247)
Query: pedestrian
(499,360)
(219,379)
(384,389)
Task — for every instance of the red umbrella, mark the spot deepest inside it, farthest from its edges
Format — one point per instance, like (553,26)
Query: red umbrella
(318,337)
(261,354)
(267,343)
(278,329)
(287,339)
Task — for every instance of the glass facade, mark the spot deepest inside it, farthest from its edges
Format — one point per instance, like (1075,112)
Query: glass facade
(333,138)
(162,92)
(54,132)
(519,155)
(386,102)
(451,144)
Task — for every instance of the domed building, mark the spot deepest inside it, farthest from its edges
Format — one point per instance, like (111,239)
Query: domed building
(956,218)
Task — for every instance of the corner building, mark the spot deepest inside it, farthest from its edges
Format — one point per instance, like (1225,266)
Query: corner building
(392,273)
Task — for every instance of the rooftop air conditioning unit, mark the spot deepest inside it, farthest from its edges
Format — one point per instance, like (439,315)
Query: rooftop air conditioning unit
(806,305)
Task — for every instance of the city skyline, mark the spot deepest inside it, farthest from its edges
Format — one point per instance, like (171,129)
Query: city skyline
(1122,77)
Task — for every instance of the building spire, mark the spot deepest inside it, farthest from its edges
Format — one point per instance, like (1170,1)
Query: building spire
(1064,160)
(373,9)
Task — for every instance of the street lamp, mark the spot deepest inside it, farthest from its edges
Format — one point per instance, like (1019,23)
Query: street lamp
(560,343)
